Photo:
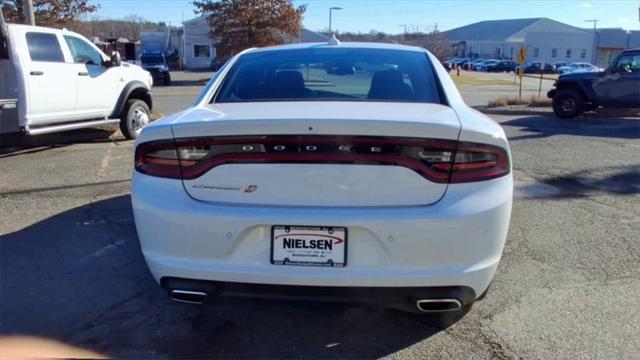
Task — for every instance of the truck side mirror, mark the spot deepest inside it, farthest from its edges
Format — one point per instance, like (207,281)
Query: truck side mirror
(116,60)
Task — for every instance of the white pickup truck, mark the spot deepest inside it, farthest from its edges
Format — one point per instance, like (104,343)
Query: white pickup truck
(55,80)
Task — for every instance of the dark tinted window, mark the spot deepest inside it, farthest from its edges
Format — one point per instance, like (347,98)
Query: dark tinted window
(152,60)
(629,63)
(44,47)
(331,73)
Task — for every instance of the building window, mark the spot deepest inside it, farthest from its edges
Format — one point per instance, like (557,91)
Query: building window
(201,51)
(498,52)
(583,54)
(568,53)
(554,52)
(536,52)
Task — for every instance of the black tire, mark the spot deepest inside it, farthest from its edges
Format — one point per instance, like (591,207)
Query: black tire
(167,80)
(568,103)
(132,119)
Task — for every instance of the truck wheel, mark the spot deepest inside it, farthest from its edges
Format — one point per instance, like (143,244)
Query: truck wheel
(568,103)
(134,117)
(167,80)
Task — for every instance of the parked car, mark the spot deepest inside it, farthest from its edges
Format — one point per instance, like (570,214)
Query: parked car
(556,65)
(500,66)
(56,80)
(452,63)
(156,64)
(483,65)
(616,86)
(476,62)
(577,66)
(384,187)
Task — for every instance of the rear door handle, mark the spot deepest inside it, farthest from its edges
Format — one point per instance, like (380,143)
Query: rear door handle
(83,73)
(36,73)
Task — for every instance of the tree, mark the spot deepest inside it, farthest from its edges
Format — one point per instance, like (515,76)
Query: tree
(54,13)
(435,41)
(240,24)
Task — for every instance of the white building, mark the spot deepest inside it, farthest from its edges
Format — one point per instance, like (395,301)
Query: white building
(199,52)
(546,40)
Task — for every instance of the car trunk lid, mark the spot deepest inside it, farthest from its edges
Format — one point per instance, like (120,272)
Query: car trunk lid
(316,153)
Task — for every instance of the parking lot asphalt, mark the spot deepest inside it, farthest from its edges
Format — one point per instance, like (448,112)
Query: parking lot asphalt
(71,267)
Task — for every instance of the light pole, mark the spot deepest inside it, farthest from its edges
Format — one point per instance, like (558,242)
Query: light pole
(595,41)
(330,15)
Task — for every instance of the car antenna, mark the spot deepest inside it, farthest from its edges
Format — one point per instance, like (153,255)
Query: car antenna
(333,40)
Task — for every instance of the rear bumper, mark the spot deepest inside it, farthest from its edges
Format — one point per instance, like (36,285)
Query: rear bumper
(403,298)
(455,242)
(551,93)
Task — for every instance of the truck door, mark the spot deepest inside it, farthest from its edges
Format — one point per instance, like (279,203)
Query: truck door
(51,83)
(620,86)
(98,86)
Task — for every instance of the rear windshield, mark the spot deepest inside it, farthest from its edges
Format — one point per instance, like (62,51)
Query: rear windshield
(326,74)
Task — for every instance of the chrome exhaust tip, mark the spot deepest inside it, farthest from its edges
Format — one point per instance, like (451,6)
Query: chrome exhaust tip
(188,296)
(438,305)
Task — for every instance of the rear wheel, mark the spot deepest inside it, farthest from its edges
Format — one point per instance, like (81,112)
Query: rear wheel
(568,103)
(134,117)
(167,80)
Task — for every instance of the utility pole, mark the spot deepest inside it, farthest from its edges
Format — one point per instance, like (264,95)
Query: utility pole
(404,26)
(1,19)
(330,15)
(27,10)
(595,41)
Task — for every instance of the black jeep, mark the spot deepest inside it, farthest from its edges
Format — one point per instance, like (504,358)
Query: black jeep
(157,65)
(617,86)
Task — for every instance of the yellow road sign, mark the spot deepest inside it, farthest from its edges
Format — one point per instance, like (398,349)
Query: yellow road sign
(522,55)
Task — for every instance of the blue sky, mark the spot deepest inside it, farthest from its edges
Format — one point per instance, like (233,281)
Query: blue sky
(386,15)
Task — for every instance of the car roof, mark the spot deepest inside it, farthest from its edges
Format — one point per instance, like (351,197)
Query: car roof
(41,28)
(347,45)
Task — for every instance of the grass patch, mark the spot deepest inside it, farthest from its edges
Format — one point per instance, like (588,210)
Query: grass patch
(472,80)
(531,101)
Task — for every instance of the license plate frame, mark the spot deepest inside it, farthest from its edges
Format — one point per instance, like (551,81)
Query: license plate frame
(304,232)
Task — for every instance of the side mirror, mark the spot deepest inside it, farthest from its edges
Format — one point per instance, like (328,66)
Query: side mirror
(116,60)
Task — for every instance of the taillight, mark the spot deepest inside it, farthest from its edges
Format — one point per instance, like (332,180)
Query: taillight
(477,162)
(158,159)
(439,161)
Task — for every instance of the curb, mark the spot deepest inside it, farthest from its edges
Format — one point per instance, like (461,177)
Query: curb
(514,111)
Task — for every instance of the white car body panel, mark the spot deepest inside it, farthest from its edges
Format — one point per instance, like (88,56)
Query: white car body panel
(457,241)
(403,229)
(315,185)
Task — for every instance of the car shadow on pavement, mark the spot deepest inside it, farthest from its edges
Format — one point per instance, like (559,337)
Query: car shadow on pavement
(546,126)
(79,277)
(19,144)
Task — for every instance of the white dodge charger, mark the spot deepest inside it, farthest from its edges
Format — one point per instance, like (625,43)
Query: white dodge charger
(336,171)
